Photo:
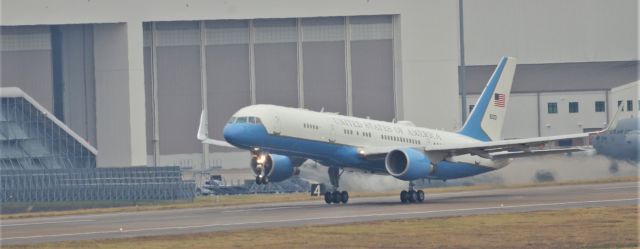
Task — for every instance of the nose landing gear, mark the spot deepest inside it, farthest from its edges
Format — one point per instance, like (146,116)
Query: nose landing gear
(262,180)
(335,196)
(261,177)
(411,196)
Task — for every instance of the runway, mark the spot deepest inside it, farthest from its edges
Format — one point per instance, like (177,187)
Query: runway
(121,225)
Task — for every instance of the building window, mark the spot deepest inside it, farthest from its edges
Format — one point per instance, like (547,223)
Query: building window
(599,106)
(573,107)
(471,108)
(629,105)
(552,107)
(619,104)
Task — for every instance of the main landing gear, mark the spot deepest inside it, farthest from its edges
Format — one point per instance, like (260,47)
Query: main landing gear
(335,196)
(411,196)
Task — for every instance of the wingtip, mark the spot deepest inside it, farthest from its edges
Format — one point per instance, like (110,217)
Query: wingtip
(202,128)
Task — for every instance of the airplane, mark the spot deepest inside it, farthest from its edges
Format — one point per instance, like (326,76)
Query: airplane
(280,139)
(619,143)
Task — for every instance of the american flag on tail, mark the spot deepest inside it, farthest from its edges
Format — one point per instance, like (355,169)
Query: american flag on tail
(498,99)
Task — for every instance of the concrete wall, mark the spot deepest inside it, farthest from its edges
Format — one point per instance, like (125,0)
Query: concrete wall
(550,31)
(25,62)
(428,35)
(119,95)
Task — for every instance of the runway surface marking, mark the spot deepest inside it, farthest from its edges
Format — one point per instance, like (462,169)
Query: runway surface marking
(43,223)
(324,218)
(626,187)
(258,209)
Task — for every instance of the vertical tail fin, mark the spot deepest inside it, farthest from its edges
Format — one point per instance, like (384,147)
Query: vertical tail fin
(487,118)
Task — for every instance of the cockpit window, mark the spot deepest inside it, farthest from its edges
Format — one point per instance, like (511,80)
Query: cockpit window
(241,120)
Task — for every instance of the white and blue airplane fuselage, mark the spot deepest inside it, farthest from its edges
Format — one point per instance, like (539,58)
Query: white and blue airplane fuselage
(336,141)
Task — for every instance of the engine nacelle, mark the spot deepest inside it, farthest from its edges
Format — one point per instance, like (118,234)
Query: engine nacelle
(276,167)
(408,164)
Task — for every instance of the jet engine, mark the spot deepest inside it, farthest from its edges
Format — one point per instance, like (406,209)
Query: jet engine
(273,168)
(408,164)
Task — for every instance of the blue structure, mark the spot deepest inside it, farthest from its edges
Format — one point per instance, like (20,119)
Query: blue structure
(32,138)
(43,160)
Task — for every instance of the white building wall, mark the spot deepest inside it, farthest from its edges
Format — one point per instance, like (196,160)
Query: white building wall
(522,115)
(525,116)
(564,122)
(551,31)
(522,121)
(624,93)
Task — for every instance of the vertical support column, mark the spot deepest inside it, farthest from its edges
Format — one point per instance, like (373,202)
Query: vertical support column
(397,68)
(300,64)
(347,65)
(538,111)
(137,117)
(120,94)
(154,94)
(252,62)
(203,82)
(57,72)
(462,71)
(606,107)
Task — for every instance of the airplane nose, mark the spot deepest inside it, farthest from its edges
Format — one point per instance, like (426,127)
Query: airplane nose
(232,133)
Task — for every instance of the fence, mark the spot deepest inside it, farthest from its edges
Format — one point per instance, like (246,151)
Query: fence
(97,184)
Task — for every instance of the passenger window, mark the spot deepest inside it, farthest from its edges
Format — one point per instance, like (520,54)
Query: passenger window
(241,120)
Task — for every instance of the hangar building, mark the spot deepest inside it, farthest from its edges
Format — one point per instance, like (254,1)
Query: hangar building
(131,77)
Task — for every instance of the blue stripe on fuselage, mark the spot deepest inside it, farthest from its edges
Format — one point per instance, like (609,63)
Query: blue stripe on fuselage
(249,136)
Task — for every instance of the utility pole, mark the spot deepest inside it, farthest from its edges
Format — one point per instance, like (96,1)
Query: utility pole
(461,74)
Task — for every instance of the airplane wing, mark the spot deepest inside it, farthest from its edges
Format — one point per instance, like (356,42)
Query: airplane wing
(203,136)
(490,150)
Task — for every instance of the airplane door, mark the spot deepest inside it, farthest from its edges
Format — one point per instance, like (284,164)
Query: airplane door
(277,125)
(332,133)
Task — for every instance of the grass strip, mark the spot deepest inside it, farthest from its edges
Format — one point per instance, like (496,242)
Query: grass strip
(607,227)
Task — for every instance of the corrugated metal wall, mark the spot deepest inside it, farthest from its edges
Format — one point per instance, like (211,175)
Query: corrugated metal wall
(290,62)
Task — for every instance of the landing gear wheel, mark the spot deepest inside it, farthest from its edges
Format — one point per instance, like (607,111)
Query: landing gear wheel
(412,196)
(404,196)
(344,196)
(336,197)
(258,180)
(327,197)
(265,180)
(420,196)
